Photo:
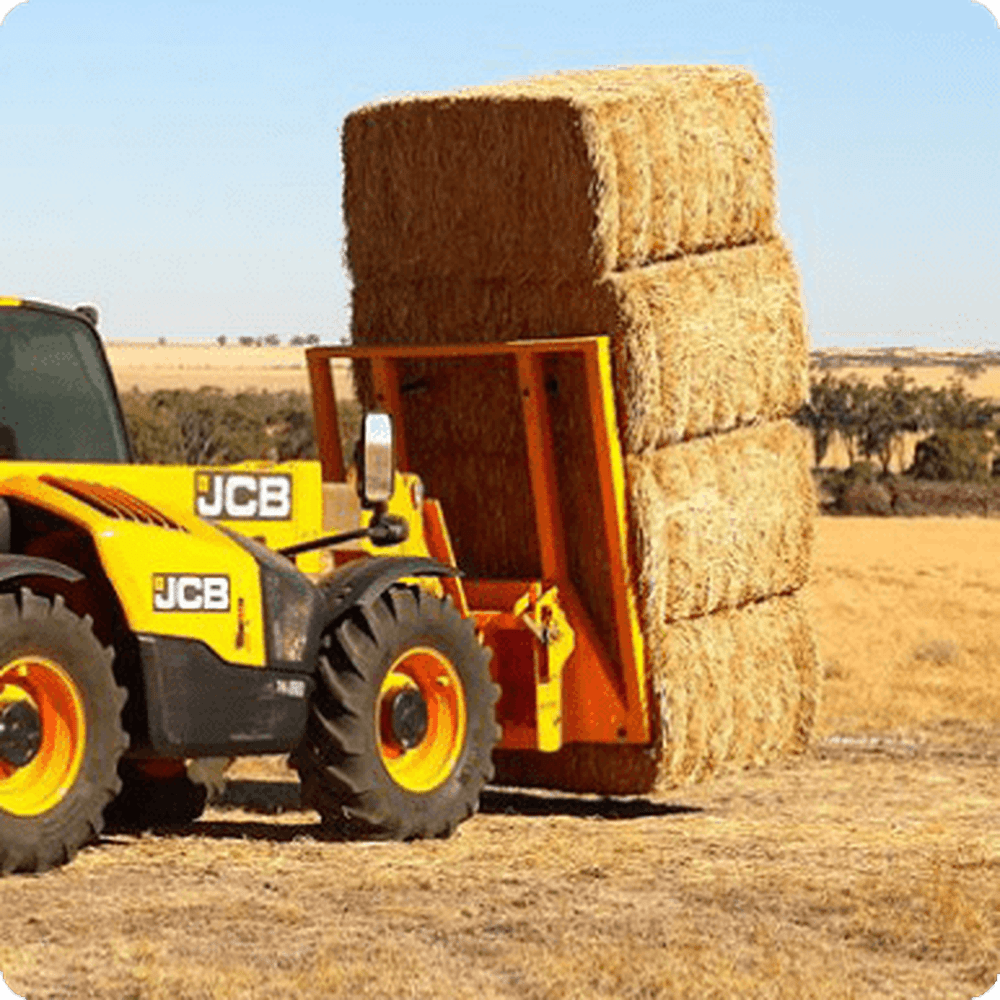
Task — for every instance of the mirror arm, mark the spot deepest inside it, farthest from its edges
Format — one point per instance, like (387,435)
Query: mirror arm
(385,529)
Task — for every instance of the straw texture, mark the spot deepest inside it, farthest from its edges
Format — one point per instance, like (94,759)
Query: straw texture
(638,204)
(564,177)
(722,520)
(730,690)
(700,344)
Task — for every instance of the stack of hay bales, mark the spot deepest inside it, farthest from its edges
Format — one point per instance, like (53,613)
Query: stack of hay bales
(637,203)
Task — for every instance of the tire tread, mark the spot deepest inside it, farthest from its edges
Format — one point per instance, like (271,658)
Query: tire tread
(342,774)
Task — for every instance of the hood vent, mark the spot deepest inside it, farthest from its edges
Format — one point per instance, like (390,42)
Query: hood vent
(113,502)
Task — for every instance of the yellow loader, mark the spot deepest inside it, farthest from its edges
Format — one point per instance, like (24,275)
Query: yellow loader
(153,618)
(147,621)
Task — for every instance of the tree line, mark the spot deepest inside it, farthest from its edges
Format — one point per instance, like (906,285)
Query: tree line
(270,340)
(213,427)
(963,431)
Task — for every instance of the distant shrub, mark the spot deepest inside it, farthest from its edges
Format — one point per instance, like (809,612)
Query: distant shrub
(861,489)
(865,498)
(862,472)
(221,340)
(954,454)
(212,427)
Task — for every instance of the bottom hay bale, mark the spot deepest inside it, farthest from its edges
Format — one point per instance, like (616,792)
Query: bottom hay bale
(728,691)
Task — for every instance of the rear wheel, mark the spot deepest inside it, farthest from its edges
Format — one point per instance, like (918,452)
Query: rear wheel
(402,725)
(60,732)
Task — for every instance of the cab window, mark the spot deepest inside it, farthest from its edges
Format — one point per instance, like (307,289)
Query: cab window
(57,401)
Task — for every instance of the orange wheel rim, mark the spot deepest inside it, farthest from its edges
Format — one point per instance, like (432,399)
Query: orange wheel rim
(426,765)
(44,781)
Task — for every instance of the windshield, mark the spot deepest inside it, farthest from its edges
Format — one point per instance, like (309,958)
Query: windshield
(57,402)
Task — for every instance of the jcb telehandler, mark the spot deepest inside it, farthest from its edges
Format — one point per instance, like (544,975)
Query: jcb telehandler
(144,623)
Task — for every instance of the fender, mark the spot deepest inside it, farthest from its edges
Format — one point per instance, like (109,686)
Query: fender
(361,581)
(14,566)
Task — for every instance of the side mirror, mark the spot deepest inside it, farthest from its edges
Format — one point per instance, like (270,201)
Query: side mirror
(377,472)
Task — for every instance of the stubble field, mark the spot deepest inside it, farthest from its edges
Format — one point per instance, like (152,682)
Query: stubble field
(868,867)
(150,366)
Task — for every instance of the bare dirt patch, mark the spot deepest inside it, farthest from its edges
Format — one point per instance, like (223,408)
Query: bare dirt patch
(866,868)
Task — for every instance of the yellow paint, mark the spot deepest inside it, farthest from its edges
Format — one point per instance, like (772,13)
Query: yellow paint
(623,596)
(43,782)
(556,641)
(134,554)
(305,523)
(173,487)
(401,504)
(430,763)
(9,302)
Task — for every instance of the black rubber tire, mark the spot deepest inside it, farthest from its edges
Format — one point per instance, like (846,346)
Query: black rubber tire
(30,624)
(343,776)
(145,802)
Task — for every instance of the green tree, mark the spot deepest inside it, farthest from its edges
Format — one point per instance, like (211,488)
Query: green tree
(891,410)
(852,411)
(952,407)
(833,407)
(954,454)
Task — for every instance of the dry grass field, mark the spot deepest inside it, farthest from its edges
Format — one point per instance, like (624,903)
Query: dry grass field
(150,366)
(866,868)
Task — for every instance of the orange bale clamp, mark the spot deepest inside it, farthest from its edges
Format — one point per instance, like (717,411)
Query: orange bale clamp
(561,682)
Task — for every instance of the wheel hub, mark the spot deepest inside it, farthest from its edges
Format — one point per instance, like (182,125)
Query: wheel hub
(20,734)
(421,720)
(409,718)
(43,735)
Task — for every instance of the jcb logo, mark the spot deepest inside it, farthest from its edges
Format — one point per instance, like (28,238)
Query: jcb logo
(182,592)
(243,496)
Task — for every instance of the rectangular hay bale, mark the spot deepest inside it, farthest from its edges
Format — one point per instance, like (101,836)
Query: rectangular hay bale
(730,690)
(565,177)
(700,344)
(722,520)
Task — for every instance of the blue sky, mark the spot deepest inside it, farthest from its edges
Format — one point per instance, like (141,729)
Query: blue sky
(178,163)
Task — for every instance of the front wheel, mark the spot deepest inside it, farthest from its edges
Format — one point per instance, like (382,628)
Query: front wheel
(402,725)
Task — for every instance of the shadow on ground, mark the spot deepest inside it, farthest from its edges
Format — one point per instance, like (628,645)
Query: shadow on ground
(266,798)
(495,801)
(272,798)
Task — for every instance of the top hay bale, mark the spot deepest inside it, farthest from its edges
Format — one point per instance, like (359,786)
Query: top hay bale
(565,177)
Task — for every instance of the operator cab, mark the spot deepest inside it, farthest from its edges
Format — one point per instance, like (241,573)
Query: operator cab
(57,398)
